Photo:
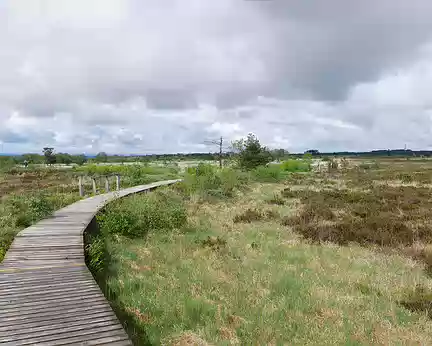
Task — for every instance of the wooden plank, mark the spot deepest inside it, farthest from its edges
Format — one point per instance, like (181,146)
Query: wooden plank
(44,331)
(50,321)
(47,294)
(50,309)
(80,332)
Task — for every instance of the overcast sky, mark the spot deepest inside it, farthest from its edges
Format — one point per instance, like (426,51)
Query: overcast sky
(153,76)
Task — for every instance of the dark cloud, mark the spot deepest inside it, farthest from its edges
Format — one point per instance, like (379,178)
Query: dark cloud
(128,75)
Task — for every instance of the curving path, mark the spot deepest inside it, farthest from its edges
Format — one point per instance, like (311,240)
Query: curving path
(47,294)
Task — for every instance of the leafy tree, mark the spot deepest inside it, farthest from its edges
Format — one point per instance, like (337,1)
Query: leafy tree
(101,157)
(279,154)
(31,158)
(49,155)
(80,159)
(6,162)
(64,158)
(251,153)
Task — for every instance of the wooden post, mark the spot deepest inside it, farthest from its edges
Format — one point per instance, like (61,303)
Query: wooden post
(94,185)
(118,182)
(80,186)
(107,187)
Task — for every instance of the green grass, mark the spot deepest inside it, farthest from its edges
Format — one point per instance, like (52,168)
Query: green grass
(29,195)
(20,211)
(277,255)
(234,274)
(131,175)
(206,182)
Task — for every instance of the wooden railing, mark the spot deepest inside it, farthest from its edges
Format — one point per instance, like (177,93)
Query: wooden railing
(94,180)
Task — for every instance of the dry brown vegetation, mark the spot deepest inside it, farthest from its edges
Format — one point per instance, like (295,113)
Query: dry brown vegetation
(16,182)
(364,206)
(320,259)
(386,204)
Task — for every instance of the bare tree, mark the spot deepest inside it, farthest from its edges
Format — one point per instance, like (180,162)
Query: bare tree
(219,143)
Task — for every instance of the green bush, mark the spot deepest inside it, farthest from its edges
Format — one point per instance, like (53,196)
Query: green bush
(95,253)
(270,173)
(232,180)
(137,215)
(39,207)
(207,182)
(6,238)
(25,211)
(296,166)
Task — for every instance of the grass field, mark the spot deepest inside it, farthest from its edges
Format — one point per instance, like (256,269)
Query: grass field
(28,195)
(339,257)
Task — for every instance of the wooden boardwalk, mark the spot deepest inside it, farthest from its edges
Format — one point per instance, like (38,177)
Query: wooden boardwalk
(47,294)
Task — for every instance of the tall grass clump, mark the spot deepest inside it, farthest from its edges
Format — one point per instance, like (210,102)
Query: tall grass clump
(207,182)
(22,211)
(273,173)
(137,215)
(134,217)
(296,166)
(268,174)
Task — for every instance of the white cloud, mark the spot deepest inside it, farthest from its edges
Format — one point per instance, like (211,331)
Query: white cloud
(129,76)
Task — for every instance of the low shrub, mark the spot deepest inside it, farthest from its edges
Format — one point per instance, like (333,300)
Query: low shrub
(27,210)
(208,182)
(418,300)
(95,254)
(371,231)
(268,174)
(137,215)
(276,199)
(6,238)
(214,242)
(405,177)
(39,207)
(310,213)
(374,165)
(251,215)
(289,193)
(248,216)
(386,215)
(296,166)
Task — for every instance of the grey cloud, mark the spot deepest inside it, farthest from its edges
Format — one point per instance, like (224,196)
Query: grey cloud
(335,44)
(171,73)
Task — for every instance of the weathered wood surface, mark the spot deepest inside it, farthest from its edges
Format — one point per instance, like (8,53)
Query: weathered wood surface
(47,294)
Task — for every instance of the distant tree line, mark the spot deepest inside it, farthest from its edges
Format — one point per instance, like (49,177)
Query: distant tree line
(49,156)
(374,153)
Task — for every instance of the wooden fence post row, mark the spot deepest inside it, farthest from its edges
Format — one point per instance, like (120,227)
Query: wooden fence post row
(94,184)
